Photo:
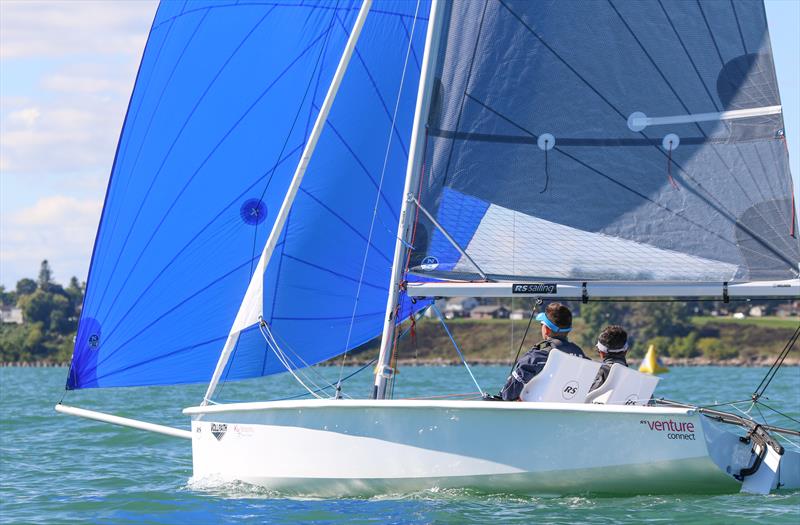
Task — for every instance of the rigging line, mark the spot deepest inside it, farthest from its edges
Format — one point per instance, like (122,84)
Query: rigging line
(761,414)
(172,146)
(284,363)
(378,194)
(413,51)
(307,369)
(773,370)
(455,345)
(189,243)
(779,412)
(317,71)
(613,180)
(787,441)
(725,404)
(466,88)
(332,386)
(524,335)
(780,358)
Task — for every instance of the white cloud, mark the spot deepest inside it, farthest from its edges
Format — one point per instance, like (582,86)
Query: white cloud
(61,28)
(60,229)
(26,117)
(68,69)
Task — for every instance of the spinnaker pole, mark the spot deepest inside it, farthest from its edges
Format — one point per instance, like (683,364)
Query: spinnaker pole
(250,310)
(383,370)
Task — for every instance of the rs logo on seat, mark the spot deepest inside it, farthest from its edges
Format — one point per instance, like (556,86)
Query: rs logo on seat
(570,389)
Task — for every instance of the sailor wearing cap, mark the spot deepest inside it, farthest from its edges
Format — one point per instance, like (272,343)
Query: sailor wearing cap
(612,345)
(556,323)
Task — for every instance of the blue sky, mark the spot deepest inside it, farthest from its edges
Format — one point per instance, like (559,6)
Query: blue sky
(66,72)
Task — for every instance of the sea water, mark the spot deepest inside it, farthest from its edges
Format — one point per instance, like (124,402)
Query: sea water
(62,469)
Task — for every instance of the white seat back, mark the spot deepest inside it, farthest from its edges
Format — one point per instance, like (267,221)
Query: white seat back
(565,378)
(624,386)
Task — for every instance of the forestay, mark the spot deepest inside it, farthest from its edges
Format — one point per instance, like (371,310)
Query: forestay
(635,141)
(219,114)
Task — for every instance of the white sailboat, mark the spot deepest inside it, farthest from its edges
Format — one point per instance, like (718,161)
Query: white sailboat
(185,286)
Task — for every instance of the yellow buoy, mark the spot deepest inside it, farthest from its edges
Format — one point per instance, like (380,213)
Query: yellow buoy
(651,364)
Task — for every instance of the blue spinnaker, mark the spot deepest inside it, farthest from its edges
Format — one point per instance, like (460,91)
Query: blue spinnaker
(222,105)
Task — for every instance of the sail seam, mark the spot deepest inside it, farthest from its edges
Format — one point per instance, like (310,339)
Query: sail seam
(164,161)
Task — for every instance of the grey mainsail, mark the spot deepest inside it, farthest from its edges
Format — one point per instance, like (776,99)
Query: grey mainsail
(619,141)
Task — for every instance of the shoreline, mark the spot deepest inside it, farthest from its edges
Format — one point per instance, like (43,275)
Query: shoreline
(754,362)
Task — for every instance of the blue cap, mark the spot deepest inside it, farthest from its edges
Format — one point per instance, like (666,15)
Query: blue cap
(542,318)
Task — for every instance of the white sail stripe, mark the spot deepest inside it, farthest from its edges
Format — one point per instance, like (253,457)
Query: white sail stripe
(544,248)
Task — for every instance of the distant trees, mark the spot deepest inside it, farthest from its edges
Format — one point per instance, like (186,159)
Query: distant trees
(643,321)
(50,315)
(26,286)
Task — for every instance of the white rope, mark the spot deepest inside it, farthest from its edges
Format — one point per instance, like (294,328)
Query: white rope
(288,362)
(380,187)
(786,440)
(283,359)
(306,366)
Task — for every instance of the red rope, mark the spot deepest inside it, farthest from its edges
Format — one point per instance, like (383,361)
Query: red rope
(669,168)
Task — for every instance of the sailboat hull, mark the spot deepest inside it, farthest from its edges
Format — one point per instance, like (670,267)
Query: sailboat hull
(355,447)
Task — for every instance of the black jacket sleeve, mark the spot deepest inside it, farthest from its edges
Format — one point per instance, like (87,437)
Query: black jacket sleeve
(527,367)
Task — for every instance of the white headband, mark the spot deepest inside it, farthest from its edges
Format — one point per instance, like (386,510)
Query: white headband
(603,348)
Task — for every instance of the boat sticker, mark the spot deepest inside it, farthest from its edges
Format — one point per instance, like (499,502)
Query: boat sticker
(535,288)
(569,390)
(673,429)
(243,430)
(219,429)
(429,263)
(253,212)
(94,341)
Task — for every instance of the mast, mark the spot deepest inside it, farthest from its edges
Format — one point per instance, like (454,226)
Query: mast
(384,372)
(250,310)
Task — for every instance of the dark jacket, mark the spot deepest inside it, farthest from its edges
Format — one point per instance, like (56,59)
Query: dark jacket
(611,358)
(532,363)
